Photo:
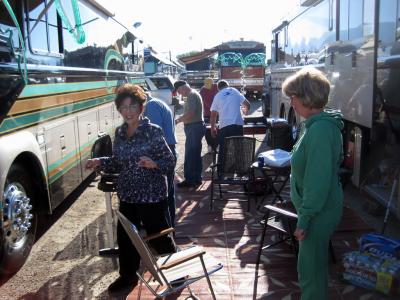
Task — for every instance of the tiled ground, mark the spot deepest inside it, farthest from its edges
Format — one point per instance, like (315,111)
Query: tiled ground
(231,234)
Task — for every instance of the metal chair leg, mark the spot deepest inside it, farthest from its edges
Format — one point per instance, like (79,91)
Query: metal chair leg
(331,250)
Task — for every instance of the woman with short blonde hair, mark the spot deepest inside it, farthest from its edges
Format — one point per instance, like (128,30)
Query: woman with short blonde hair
(310,85)
(314,185)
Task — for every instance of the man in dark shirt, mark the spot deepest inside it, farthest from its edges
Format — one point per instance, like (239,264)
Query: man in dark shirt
(160,114)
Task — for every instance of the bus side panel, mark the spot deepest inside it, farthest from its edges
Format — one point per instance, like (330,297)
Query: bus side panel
(351,74)
(117,118)
(106,119)
(88,133)
(62,159)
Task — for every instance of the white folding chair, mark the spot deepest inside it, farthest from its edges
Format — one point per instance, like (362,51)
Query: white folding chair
(173,272)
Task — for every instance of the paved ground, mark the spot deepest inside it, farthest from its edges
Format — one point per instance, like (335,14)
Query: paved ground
(64,263)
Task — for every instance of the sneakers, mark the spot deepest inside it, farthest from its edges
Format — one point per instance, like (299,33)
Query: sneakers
(122,285)
(187,184)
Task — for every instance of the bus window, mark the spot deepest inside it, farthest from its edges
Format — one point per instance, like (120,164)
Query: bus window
(42,25)
(368,27)
(7,26)
(398,21)
(355,19)
(37,28)
(387,21)
(308,35)
(53,30)
(344,20)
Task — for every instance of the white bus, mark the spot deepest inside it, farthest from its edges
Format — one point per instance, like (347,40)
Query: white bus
(60,62)
(356,44)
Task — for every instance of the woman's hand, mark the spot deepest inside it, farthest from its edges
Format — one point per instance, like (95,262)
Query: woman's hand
(300,234)
(92,163)
(146,162)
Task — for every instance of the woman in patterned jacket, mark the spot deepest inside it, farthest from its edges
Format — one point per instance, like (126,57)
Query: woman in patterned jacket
(142,158)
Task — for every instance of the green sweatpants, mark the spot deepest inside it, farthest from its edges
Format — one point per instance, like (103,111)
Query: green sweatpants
(312,263)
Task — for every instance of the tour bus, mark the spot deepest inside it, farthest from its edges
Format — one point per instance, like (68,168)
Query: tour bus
(242,65)
(60,62)
(356,44)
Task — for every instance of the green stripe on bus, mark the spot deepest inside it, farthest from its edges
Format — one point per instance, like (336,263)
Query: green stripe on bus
(44,115)
(73,163)
(34,90)
(71,154)
(63,171)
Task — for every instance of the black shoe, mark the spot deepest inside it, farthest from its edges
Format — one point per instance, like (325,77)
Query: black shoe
(185,184)
(122,285)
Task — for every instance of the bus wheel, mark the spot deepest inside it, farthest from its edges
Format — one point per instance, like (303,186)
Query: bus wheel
(17,234)
(292,120)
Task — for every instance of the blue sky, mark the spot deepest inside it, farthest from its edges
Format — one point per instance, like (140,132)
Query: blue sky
(181,26)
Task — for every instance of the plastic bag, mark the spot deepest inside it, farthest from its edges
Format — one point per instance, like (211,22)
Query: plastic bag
(379,245)
(276,158)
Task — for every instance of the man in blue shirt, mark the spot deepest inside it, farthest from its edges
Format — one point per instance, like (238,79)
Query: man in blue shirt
(160,114)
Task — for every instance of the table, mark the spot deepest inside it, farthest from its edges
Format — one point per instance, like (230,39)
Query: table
(278,175)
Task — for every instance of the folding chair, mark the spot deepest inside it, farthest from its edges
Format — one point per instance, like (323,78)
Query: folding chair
(284,220)
(234,167)
(174,272)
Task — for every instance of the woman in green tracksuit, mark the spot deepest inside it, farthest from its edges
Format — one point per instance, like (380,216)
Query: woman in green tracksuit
(315,188)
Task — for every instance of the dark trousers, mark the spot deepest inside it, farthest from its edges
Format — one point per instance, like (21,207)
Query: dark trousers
(153,218)
(227,131)
(211,141)
(193,164)
(171,191)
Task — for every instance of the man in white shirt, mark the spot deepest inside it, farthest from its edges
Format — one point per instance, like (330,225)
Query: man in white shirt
(228,105)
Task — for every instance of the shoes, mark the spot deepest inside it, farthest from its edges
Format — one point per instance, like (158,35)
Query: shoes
(185,183)
(122,285)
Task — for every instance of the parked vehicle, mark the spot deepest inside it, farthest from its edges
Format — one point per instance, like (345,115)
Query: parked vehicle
(56,96)
(242,64)
(356,44)
(196,78)
(266,94)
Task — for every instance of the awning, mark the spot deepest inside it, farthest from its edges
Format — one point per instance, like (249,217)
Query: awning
(162,59)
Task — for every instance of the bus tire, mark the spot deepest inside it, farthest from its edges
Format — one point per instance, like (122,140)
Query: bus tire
(19,220)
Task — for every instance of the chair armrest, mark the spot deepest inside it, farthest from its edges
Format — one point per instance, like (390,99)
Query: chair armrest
(281,211)
(158,234)
(182,259)
(213,166)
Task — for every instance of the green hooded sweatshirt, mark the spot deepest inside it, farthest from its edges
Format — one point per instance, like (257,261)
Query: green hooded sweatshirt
(316,157)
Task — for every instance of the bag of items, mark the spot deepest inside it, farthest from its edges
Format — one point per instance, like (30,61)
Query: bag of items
(371,272)
(380,246)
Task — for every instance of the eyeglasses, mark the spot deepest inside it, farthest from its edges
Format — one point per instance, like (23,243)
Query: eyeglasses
(291,97)
(128,107)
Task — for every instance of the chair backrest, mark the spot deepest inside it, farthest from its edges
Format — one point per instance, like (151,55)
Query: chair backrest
(146,256)
(238,155)
(102,146)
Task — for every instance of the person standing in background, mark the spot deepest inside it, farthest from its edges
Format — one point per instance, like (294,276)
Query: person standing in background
(160,114)
(207,92)
(315,187)
(194,128)
(228,105)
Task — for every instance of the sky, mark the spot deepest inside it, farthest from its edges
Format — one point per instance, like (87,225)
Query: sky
(181,26)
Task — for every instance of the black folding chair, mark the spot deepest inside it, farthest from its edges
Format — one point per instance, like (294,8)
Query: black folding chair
(282,218)
(234,168)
